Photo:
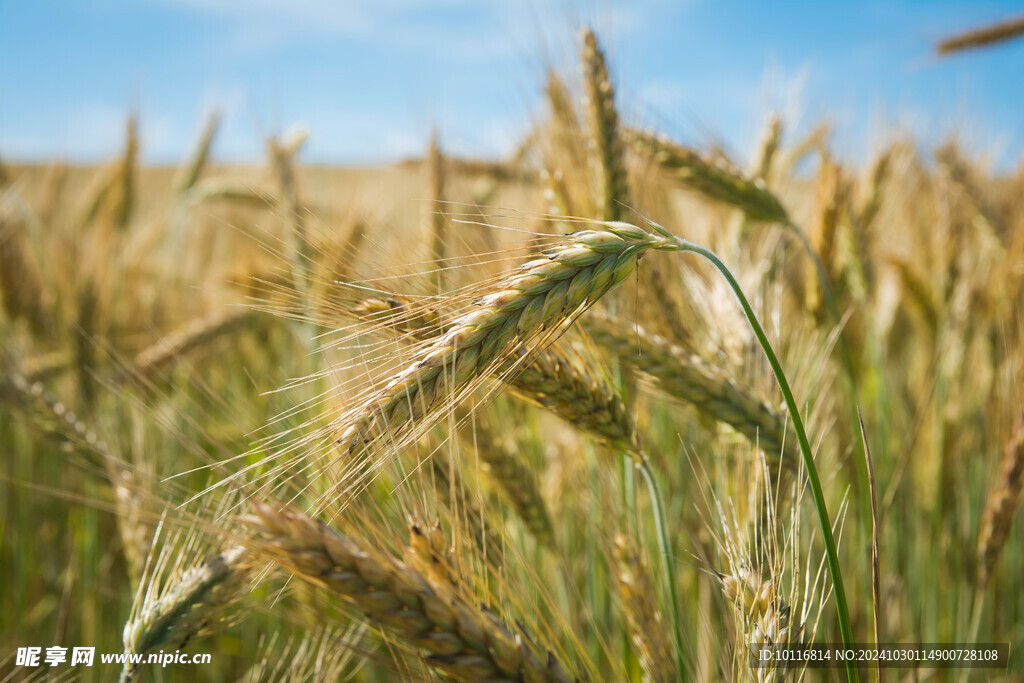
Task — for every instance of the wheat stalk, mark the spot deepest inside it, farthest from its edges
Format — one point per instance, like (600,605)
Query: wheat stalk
(767,149)
(455,637)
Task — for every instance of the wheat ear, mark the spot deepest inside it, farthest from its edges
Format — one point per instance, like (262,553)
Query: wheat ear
(182,607)
(647,627)
(438,222)
(982,37)
(194,335)
(1002,504)
(21,286)
(717,181)
(549,379)
(540,296)
(454,635)
(612,191)
(189,173)
(691,379)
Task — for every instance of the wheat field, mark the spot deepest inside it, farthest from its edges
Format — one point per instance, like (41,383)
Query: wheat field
(614,408)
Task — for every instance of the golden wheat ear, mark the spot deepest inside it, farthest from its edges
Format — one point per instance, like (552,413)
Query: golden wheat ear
(1002,504)
(540,296)
(456,637)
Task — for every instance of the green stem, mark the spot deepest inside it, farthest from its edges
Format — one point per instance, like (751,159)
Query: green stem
(805,448)
(666,556)
(844,353)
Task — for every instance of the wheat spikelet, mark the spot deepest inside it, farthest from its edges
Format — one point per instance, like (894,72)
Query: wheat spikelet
(879,173)
(451,489)
(337,266)
(831,195)
(282,162)
(456,637)
(53,189)
(430,554)
(815,139)
(111,195)
(51,415)
(556,193)
(1002,504)
(540,296)
(917,291)
(188,174)
(87,320)
(765,619)
(689,378)
(647,627)
(566,150)
(612,190)
(982,37)
(583,399)
(121,196)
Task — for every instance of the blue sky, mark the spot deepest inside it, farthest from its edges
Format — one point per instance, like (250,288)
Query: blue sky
(369,79)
